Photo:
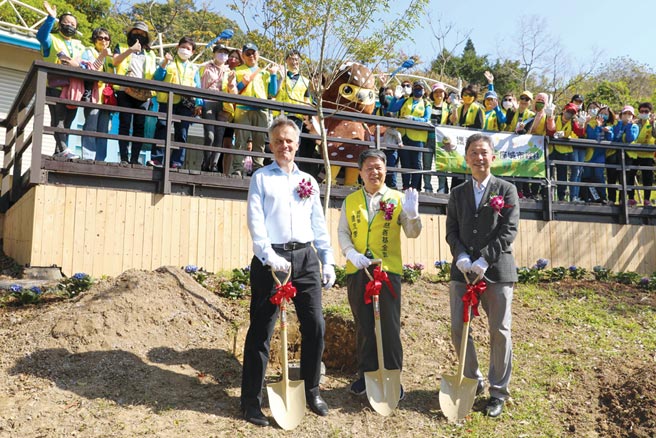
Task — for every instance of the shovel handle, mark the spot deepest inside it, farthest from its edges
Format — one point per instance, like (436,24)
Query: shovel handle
(373,262)
(275,277)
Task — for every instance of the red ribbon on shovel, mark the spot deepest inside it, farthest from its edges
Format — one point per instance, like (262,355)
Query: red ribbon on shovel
(285,291)
(376,284)
(471,299)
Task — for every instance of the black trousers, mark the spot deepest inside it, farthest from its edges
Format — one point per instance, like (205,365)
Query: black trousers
(306,277)
(60,117)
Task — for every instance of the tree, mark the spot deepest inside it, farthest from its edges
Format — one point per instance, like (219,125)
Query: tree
(441,32)
(535,47)
(335,31)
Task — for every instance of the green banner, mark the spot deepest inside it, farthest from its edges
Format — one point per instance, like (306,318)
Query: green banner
(516,155)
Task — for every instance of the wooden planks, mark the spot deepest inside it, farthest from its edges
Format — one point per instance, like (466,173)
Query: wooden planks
(101,231)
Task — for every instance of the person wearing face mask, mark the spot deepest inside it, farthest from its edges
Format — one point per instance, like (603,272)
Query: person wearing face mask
(439,116)
(645,137)
(216,75)
(59,47)
(468,114)
(252,81)
(577,100)
(385,99)
(97,57)
(225,160)
(601,129)
(624,131)
(516,119)
(177,70)
(135,60)
(495,118)
(416,108)
(565,126)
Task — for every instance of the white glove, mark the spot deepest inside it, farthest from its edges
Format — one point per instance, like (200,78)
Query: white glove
(549,110)
(359,260)
(464,264)
(478,268)
(582,118)
(398,92)
(329,276)
(409,117)
(411,203)
(277,263)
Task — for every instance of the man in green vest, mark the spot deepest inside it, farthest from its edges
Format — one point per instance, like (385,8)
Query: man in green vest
(370,228)
(60,48)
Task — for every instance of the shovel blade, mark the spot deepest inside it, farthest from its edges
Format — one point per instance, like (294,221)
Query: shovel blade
(287,402)
(457,397)
(383,390)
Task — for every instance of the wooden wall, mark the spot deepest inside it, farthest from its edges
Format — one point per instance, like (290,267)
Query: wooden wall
(100,231)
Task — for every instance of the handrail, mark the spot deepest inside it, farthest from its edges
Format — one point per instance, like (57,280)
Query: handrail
(18,120)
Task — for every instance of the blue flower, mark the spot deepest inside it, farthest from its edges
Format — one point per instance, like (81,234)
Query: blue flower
(644,281)
(15,288)
(573,268)
(36,289)
(438,264)
(542,263)
(191,269)
(80,276)
(242,286)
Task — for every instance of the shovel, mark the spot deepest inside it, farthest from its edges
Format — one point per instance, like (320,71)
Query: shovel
(383,385)
(287,397)
(457,393)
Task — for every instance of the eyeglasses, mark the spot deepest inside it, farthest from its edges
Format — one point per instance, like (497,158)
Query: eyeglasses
(644,111)
(507,100)
(524,98)
(103,38)
(249,53)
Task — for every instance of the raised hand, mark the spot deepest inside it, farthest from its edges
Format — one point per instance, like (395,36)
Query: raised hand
(50,9)
(489,76)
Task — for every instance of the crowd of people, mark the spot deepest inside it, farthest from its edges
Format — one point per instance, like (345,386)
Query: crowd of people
(241,72)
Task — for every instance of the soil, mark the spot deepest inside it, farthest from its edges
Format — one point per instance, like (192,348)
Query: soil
(154,354)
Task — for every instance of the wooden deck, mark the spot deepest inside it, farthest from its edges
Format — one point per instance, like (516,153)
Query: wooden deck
(107,231)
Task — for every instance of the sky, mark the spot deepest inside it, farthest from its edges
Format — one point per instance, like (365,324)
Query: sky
(581,27)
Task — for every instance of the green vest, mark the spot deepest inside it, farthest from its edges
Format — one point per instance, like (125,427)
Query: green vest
(418,111)
(644,137)
(181,74)
(258,86)
(472,111)
(511,124)
(491,123)
(567,129)
(293,93)
(74,49)
(380,236)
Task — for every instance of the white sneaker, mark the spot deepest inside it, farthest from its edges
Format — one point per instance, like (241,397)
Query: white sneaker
(66,153)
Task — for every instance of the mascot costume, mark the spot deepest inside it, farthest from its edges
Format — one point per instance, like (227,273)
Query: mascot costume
(352,90)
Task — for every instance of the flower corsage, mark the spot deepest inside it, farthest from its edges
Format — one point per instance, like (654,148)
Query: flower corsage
(388,209)
(498,203)
(305,189)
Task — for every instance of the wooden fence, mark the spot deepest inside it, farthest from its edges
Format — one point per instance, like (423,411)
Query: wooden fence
(106,231)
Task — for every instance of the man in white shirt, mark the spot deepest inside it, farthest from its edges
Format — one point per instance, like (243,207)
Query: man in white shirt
(288,228)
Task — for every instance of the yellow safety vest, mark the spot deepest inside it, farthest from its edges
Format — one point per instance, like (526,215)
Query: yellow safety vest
(180,74)
(108,67)
(414,108)
(567,129)
(644,137)
(491,123)
(258,86)
(228,107)
(472,111)
(444,118)
(511,124)
(380,236)
(150,65)
(73,48)
(293,93)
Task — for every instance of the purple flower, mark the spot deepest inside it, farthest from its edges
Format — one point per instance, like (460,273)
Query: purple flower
(247,268)
(419,266)
(541,263)
(305,189)
(15,288)
(438,264)
(644,281)
(573,268)
(36,289)
(388,209)
(191,269)
(80,276)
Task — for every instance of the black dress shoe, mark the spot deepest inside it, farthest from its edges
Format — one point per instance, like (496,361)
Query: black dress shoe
(494,407)
(480,388)
(254,415)
(317,404)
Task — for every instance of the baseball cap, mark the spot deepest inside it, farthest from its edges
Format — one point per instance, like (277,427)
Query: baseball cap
(527,94)
(438,86)
(491,94)
(139,25)
(571,107)
(220,47)
(628,109)
(249,46)
(577,97)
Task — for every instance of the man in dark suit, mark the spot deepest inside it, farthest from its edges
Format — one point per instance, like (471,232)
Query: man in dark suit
(481,225)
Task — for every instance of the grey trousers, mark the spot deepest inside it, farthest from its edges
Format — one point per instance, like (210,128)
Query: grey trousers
(390,321)
(496,301)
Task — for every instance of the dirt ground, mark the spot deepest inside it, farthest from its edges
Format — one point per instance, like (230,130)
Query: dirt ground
(153,354)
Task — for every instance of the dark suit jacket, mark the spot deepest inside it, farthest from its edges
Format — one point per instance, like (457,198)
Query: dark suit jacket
(481,231)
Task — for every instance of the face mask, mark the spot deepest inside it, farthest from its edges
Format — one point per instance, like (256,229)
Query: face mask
(643,116)
(594,112)
(506,104)
(468,99)
(388,100)
(221,57)
(67,30)
(184,54)
(539,106)
(417,93)
(604,117)
(407,90)
(567,116)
